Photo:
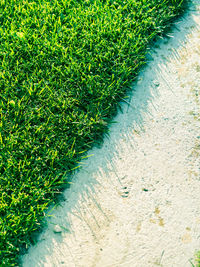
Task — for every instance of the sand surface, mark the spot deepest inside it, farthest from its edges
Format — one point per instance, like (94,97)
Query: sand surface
(136,201)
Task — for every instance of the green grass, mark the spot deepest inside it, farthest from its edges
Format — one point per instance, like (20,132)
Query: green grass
(198,259)
(64,66)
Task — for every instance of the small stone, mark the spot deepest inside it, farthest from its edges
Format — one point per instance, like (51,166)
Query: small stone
(145,190)
(124,196)
(156,83)
(57,229)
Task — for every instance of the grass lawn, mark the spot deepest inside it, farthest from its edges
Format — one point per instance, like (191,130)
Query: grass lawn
(198,259)
(65,65)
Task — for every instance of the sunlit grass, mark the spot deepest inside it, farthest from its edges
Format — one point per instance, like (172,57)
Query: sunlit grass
(198,259)
(64,67)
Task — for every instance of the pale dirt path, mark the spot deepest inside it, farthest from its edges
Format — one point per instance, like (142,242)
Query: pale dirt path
(136,202)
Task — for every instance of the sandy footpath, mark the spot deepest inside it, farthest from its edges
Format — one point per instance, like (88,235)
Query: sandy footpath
(136,201)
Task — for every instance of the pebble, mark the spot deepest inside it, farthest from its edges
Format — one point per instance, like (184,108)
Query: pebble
(156,83)
(57,229)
